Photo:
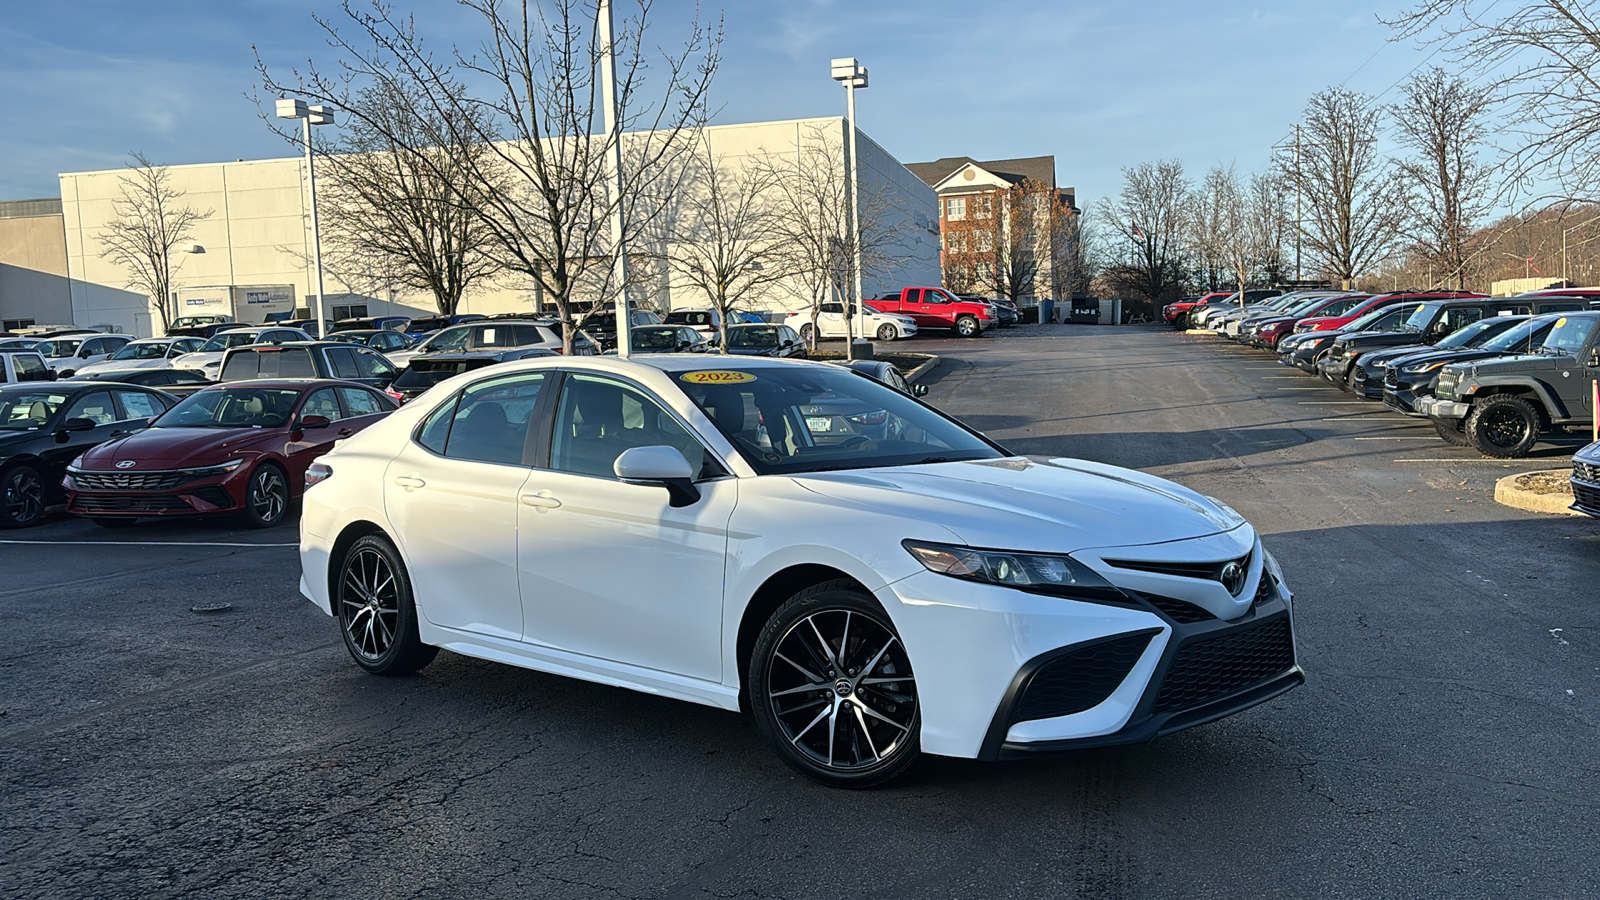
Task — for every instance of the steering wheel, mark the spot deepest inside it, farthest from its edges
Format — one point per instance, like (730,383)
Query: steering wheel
(850,443)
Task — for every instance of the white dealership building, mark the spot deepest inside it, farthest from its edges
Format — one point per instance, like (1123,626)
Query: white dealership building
(253,254)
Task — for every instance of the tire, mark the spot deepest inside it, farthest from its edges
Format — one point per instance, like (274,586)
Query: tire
(1454,435)
(1504,426)
(805,333)
(377,615)
(887,332)
(21,497)
(872,732)
(266,496)
(967,327)
(109,522)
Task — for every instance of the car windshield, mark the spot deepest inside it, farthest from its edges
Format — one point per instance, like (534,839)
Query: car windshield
(792,420)
(1569,336)
(23,410)
(229,339)
(1419,320)
(689,318)
(1520,337)
(234,407)
(1467,334)
(61,347)
(137,350)
(753,337)
(448,339)
(654,339)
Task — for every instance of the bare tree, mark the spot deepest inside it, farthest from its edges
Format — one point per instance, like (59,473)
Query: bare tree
(1267,221)
(1073,263)
(400,204)
(810,199)
(1150,213)
(1441,120)
(144,237)
(535,103)
(1542,57)
(1207,235)
(1354,204)
(1235,245)
(725,239)
(1005,242)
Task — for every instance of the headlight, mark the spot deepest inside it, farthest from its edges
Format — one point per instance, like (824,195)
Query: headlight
(1027,571)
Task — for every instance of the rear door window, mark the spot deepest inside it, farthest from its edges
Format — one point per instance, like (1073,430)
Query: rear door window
(344,362)
(360,402)
(490,422)
(139,405)
(373,365)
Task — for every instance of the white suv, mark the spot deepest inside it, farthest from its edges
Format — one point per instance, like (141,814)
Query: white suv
(23,365)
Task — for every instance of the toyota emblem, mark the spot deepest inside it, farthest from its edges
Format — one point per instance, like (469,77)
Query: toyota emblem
(126,464)
(1232,577)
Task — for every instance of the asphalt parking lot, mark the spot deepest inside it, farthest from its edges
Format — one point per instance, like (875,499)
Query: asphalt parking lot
(1442,747)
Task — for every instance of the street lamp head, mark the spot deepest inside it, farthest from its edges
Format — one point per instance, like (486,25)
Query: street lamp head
(320,115)
(849,71)
(292,109)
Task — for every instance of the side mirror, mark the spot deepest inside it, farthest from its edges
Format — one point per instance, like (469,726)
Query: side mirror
(51,374)
(76,424)
(919,390)
(308,422)
(659,465)
(1594,358)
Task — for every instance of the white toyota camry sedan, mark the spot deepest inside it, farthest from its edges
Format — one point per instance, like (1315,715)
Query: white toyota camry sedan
(868,577)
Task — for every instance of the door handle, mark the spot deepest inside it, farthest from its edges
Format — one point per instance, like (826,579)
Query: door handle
(345,432)
(542,500)
(409,482)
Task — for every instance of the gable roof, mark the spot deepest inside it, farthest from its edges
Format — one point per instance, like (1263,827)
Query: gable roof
(1037,168)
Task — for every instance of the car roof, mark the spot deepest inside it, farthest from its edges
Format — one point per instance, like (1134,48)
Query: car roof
(65,385)
(288,383)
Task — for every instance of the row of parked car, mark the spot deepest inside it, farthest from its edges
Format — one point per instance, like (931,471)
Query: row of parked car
(117,445)
(1497,374)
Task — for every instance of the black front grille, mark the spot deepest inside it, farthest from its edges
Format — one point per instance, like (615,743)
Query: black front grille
(1180,611)
(214,494)
(131,481)
(1080,678)
(1586,472)
(1587,497)
(1208,668)
(1210,571)
(128,503)
(1391,376)
(1266,591)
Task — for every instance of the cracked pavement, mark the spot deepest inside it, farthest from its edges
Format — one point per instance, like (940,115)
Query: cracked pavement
(1442,747)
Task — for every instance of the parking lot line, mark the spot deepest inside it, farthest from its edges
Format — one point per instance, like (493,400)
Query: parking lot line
(1334,402)
(1447,459)
(146,544)
(1409,437)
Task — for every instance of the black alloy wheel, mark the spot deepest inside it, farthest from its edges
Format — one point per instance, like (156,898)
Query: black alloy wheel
(377,617)
(22,502)
(266,497)
(887,332)
(805,333)
(1503,426)
(832,689)
(967,326)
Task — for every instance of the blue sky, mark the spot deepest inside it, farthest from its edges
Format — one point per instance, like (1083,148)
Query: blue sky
(1096,85)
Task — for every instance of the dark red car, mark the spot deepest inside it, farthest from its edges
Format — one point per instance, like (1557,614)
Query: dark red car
(1173,313)
(234,449)
(1377,301)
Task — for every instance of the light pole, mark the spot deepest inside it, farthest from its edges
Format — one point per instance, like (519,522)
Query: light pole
(852,75)
(309,116)
(619,245)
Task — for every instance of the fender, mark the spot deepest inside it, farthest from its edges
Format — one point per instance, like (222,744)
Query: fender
(1550,400)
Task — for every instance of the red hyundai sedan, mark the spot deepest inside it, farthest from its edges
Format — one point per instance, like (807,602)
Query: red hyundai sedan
(234,449)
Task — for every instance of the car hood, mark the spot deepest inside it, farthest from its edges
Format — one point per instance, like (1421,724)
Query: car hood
(1519,363)
(1046,505)
(198,359)
(117,365)
(162,448)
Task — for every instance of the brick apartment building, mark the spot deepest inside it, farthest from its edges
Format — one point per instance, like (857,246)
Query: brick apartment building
(1021,250)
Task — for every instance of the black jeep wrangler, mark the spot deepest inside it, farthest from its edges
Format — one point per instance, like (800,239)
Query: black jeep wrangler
(1501,406)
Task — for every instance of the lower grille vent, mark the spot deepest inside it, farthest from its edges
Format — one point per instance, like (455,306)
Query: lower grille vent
(1081,678)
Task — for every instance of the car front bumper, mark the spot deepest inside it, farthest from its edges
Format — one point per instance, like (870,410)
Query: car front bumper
(1043,674)
(1586,486)
(207,496)
(1440,409)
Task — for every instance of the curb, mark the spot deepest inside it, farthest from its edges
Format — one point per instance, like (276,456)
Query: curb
(1200,331)
(925,368)
(1506,493)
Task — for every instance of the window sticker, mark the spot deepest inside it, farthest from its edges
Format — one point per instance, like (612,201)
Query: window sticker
(714,377)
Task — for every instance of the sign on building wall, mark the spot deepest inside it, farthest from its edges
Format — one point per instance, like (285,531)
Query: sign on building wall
(253,304)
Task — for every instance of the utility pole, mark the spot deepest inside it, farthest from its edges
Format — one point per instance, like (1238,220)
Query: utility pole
(1297,275)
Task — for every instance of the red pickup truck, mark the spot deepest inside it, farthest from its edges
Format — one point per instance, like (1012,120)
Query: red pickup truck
(932,307)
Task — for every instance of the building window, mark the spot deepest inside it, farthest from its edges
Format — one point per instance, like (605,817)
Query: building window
(956,208)
(982,207)
(351,311)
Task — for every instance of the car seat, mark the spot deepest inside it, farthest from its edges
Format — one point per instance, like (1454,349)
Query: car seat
(484,433)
